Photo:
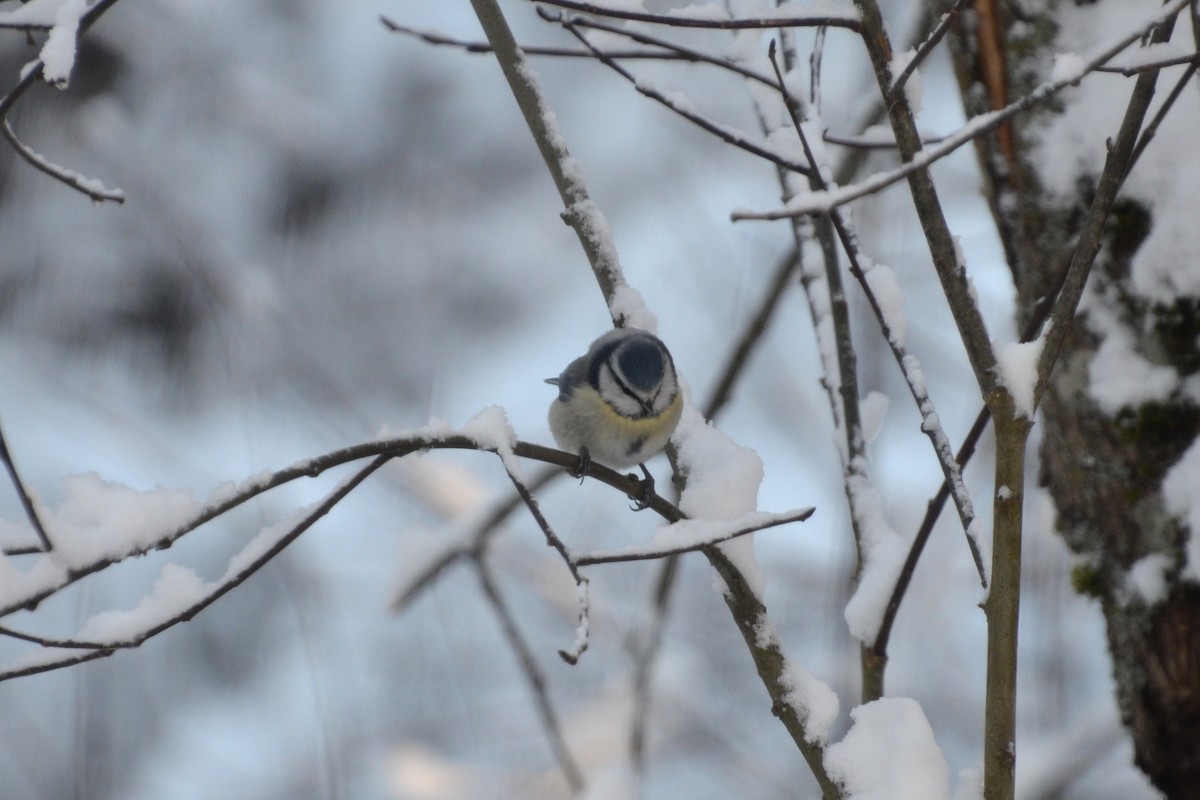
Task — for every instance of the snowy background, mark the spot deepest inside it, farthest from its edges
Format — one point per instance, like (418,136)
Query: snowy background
(331,229)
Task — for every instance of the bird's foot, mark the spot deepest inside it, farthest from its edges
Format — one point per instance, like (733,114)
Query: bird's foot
(585,465)
(645,495)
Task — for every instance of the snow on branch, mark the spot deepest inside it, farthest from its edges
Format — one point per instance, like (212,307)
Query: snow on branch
(102,523)
(823,201)
(886,301)
(89,186)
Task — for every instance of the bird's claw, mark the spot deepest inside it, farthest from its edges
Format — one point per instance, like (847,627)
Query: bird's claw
(585,465)
(645,495)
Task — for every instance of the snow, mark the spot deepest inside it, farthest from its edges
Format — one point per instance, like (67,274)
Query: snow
(1182,500)
(491,430)
(58,53)
(912,85)
(1016,363)
(884,552)
(177,589)
(1068,68)
(818,701)
(35,13)
(101,519)
(889,754)
(886,288)
(580,643)
(1118,375)
(722,484)
(1146,580)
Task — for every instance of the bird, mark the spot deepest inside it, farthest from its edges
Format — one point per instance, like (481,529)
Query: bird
(618,403)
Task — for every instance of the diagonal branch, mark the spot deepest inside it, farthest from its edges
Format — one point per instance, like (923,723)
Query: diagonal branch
(533,675)
(1116,166)
(727,135)
(26,502)
(909,366)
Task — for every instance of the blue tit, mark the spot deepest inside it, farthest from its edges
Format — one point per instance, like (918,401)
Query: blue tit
(619,403)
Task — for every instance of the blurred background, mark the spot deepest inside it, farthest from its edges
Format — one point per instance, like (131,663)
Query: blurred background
(332,229)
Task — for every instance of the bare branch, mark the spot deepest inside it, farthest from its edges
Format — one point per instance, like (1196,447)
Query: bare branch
(725,134)
(570,655)
(472,545)
(721,532)
(533,676)
(431,37)
(849,21)
(26,502)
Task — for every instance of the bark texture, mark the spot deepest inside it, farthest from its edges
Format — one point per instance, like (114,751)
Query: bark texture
(1104,468)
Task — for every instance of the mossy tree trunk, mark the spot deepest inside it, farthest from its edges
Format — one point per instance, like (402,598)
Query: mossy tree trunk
(1104,466)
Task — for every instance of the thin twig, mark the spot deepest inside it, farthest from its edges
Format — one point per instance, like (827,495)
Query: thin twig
(726,135)
(1130,71)
(1151,129)
(571,654)
(655,553)
(849,21)
(739,359)
(681,52)
(430,37)
(471,546)
(533,676)
(965,451)
(26,501)
(909,367)
(926,47)
(87,186)
(645,657)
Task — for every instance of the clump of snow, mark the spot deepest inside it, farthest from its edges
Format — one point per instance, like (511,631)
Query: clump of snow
(884,552)
(912,85)
(491,430)
(58,53)
(1119,376)
(1182,500)
(1147,579)
(889,295)
(722,483)
(818,701)
(100,519)
(889,754)
(628,304)
(1068,68)
(176,590)
(1016,363)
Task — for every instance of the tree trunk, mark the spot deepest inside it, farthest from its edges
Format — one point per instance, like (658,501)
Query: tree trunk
(1103,462)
